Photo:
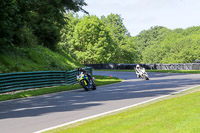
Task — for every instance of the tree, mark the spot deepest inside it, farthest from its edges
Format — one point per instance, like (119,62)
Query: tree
(33,21)
(67,32)
(93,40)
(9,21)
(127,53)
(92,43)
(179,46)
(125,50)
(151,37)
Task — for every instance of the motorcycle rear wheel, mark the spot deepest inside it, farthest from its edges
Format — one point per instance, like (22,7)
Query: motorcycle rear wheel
(93,85)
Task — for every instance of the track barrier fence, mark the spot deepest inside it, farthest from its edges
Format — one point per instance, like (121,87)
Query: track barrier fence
(29,80)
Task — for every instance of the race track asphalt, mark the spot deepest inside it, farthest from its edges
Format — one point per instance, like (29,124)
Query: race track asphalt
(29,115)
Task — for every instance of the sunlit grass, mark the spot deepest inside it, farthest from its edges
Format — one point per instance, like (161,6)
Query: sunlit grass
(177,115)
(35,58)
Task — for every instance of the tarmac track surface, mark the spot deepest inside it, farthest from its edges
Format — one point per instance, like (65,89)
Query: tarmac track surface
(36,113)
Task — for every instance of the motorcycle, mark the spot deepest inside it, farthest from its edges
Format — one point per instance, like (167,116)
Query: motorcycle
(143,74)
(87,84)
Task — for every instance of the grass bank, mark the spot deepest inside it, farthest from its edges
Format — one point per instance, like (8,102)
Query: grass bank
(34,58)
(99,80)
(176,115)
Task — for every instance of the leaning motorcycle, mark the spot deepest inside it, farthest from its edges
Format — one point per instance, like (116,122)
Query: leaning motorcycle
(87,84)
(143,74)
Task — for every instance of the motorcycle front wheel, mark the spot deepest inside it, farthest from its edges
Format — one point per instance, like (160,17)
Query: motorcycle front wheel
(146,77)
(84,86)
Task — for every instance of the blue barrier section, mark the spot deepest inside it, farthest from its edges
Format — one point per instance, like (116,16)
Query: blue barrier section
(38,79)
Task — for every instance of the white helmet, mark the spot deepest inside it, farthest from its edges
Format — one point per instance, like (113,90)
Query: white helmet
(137,66)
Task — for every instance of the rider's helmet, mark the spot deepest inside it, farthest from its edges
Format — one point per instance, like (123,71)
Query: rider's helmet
(80,69)
(137,66)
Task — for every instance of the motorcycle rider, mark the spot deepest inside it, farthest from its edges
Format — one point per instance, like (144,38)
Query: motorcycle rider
(80,69)
(137,70)
(86,75)
(141,73)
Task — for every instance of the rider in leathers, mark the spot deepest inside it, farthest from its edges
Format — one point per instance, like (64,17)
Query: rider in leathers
(137,70)
(86,75)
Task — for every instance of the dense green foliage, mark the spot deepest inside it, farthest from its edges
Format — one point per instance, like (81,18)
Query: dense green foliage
(28,22)
(106,40)
(28,29)
(98,40)
(149,37)
(161,45)
(91,41)
(124,46)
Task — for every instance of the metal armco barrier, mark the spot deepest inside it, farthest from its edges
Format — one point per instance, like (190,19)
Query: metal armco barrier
(28,80)
(180,66)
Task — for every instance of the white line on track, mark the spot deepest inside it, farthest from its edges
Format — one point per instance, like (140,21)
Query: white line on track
(108,112)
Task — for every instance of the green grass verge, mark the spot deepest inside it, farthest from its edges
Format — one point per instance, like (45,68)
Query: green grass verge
(176,115)
(161,71)
(99,80)
(104,80)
